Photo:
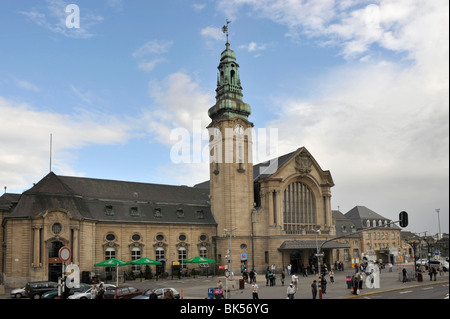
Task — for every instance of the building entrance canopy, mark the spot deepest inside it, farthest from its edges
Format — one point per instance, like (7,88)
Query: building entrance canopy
(311,244)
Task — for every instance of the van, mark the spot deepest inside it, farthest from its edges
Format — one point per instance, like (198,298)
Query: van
(35,289)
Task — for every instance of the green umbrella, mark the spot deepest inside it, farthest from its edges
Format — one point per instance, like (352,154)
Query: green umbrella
(113,262)
(144,261)
(199,260)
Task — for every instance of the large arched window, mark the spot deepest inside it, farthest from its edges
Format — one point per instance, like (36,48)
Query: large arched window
(299,208)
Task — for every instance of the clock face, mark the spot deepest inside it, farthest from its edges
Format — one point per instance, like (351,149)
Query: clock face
(239,129)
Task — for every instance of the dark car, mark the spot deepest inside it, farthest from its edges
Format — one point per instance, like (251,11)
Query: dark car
(159,293)
(52,294)
(123,292)
(35,289)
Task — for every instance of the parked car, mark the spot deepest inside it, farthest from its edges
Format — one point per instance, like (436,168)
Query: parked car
(123,292)
(35,289)
(436,262)
(86,293)
(444,265)
(159,292)
(52,294)
(18,293)
(422,261)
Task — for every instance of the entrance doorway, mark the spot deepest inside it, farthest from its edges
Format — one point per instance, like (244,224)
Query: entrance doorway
(54,263)
(295,259)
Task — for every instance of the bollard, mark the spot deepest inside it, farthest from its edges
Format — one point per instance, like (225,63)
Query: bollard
(181,294)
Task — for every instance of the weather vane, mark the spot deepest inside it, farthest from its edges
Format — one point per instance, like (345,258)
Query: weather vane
(225,28)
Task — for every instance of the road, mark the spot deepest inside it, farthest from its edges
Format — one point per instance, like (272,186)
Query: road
(430,292)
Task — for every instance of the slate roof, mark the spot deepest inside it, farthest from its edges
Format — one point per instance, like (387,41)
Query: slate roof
(343,222)
(360,214)
(7,200)
(116,201)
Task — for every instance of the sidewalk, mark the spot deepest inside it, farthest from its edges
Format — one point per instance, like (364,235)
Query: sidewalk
(197,288)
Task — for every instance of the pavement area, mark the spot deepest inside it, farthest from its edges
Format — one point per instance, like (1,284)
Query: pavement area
(197,288)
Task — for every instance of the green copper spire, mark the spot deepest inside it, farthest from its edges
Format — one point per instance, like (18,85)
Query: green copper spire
(229,101)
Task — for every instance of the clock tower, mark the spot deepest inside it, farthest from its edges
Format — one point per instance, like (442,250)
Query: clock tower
(231,164)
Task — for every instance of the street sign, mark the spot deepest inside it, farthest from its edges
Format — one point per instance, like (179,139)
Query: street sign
(227,273)
(319,255)
(64,254)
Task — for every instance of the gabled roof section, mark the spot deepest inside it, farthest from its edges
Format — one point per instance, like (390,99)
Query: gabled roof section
(360,214)
(7,200)
(115,201)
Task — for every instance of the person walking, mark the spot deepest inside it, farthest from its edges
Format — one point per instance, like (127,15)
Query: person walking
(294,279)
(153,295)
(404,275)
(283,276)
(94,292)
(323,282)
(291,291)
(101,292)
(288,269)
(314,289)
(332,276)
(255,290)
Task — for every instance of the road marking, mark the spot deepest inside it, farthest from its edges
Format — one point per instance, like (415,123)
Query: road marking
(427,288)
(406,292)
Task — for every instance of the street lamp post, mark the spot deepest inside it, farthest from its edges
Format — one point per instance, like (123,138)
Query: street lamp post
(231,259)
(439,223)
(318,255)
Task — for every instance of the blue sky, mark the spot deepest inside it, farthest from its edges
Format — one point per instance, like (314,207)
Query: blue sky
(363,85)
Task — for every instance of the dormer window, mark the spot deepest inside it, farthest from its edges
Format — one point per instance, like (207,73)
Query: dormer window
(134,212)
(200,214)
(109,210)
(180,213)
(157,213)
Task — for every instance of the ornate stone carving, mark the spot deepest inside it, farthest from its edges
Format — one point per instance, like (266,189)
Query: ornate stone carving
(303,163)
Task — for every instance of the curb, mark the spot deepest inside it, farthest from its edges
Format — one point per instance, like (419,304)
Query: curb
(394,289)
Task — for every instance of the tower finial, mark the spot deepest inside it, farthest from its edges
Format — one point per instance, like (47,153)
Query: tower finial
(225,30)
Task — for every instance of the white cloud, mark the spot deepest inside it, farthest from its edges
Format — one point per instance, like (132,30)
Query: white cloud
(25,134)
(253,47)
(212,33)
(181,101)
(27,85)
(53,18)
(153,47)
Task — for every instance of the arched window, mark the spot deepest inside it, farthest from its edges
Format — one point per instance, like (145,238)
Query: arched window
(299,208)
(182,256)
(135,254)
(203,252)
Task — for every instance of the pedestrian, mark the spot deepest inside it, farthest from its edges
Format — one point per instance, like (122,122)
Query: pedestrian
(434,273)
(324,284)
(271,278)
(430,273)
(283,276)
(390,267)
(100,292)
(404,275)
(219,290)
(288,269)
(153,295)
(332,276)
(169,294)
(294,279)
(94,292)
(314,289)
(255,290)
(251,275)
(291,291)
(267,276)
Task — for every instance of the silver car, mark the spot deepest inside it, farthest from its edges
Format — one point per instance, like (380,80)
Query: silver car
(18,293)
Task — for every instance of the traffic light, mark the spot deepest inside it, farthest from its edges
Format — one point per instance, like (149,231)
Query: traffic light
(403,216)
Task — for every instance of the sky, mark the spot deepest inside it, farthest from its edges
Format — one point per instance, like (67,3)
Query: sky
(363,85)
